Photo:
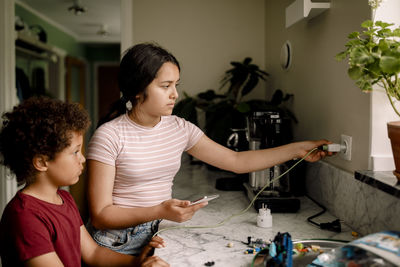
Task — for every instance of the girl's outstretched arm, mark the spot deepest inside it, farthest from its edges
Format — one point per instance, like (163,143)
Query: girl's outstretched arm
(254,160)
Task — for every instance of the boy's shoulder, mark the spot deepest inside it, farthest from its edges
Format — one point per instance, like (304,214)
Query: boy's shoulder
(19,210)
(24,209)
(23,203)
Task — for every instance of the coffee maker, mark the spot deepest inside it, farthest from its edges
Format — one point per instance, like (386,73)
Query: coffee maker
(265,129)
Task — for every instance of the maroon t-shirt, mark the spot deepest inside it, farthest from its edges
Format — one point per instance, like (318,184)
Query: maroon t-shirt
(31,227)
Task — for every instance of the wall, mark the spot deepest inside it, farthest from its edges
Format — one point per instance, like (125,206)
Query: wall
(55,37)
(326,102)
(204,35)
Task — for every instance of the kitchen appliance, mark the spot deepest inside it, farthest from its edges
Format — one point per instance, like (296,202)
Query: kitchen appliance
(265,129)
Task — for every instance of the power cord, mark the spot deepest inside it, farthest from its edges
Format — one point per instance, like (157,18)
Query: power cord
(243,211)
(334,226)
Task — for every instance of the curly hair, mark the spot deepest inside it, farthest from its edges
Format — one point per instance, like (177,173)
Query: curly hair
(38,126)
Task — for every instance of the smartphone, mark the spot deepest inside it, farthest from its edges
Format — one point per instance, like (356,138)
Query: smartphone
(203,199)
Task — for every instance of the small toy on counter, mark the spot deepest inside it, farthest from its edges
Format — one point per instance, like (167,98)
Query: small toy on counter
(257,242)
(256,245)
(209,263)
(354,234)
(280,251)
(252,250)
(300,249)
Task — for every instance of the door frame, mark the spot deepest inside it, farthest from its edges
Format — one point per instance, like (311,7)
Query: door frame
(8,92)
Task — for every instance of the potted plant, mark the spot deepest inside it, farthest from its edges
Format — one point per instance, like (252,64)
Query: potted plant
(374,59)
(228,110)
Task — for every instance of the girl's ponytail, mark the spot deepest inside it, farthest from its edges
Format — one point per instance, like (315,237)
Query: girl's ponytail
(117,108)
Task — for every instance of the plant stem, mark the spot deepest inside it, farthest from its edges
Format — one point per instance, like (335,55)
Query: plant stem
(390,98)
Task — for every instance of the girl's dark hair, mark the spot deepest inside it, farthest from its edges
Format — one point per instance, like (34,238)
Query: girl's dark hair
(138,68)
(38,126)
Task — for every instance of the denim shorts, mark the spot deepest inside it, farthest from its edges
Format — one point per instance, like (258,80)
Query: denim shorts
(126,241)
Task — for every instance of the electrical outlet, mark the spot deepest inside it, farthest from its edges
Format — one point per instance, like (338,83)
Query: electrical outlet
(346,141)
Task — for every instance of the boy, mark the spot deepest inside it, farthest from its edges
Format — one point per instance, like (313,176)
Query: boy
(41,142)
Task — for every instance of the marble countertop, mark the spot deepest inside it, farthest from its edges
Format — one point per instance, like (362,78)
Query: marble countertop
(383,180)
(197,246)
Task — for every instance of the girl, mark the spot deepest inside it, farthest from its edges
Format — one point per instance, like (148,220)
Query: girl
(134,156)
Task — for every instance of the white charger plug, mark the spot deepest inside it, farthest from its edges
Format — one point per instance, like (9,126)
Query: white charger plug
(333,147)
(264,218)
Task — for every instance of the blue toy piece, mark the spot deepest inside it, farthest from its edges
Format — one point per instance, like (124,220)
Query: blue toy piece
(280,251)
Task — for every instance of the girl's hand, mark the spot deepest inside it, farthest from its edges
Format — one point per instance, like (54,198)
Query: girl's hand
(179,210)
(145,260)
(154,261)
(307,146)
(156,242)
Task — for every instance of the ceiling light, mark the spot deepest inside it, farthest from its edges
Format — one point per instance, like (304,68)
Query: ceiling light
(77,8)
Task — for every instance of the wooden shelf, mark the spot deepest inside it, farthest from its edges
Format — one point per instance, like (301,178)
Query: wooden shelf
(34,48)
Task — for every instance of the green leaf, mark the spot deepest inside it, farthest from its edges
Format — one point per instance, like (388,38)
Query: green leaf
(243,107)
(247,60)
(383,45)
(354,42)
(355,72)
(383,24)
(353,35)
(250,84)
(364,85)
(360,55)
(373,69)
(209,95)
(390,63)
(341,56)
(396,32)
(384,33)
(186,108)
(367,24)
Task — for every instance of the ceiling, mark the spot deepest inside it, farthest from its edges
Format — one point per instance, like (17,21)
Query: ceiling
(84,27)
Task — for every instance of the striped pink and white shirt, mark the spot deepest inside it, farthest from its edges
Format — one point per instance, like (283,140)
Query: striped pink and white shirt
(145,159)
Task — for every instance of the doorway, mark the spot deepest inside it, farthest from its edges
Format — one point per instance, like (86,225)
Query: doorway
(75,80)
(107,88)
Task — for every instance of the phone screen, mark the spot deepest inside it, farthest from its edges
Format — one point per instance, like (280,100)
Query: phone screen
(204,199)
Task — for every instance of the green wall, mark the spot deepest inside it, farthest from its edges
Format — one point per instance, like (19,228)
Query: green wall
(60,39)
(55,37)
(102,52)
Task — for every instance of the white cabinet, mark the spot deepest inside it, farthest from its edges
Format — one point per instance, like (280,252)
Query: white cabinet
(301,9)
